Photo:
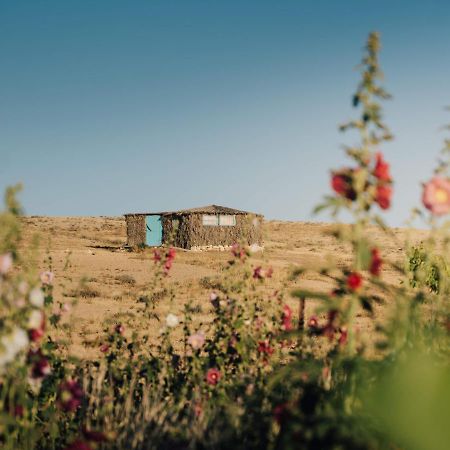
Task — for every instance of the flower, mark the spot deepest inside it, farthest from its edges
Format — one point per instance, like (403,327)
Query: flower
(238,251)
(37,298)
(119,329)
(47,277)
(343,337)
(156,255)
(265,347)
(104,348)
(436,196)
(375,262)
(40,367)
(36,325)
(79,445)
(6,262)
(259,273)
(197,340)
(70,395)
(11,345)
(213,376)
(280,412)
(383,195)
(287,318)
(382,169)
(354,281)
(313,322)
(342,181)
(172,320)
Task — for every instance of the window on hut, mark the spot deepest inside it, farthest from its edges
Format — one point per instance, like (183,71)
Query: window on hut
(227,220)
(209,220)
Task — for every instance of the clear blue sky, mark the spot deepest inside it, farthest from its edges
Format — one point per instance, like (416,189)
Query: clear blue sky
(109,107)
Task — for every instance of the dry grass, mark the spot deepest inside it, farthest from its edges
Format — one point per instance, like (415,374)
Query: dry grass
(117,278)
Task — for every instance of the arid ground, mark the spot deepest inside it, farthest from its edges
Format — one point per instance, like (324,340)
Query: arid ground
(92,267)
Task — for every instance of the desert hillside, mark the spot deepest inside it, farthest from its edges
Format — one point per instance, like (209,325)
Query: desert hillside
(92,268)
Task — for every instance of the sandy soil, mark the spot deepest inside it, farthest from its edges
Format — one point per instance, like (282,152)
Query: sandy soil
(92,267)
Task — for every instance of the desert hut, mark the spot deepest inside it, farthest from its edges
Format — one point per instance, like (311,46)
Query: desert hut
(207,226)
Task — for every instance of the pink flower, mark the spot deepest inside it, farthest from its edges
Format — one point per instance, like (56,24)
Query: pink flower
(287,318)
(197,340)
(156,255)
(213,376)
(375,262)
(119,329)
(47,277)
(354,281)
(382,169)
(259,273)
(70,395)
(238,251)
(104,348)
(313,322)
(6,262)
(343,337)
(436,196)
(383,196)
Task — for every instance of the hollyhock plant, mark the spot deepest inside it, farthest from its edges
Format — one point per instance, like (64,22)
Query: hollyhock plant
(375,262)
(40,367)
(382,168)
(436,196)
(70,395)
(383,196)
(213,376)
(354,281)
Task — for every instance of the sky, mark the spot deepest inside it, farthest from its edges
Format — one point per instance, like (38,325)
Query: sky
(109,107)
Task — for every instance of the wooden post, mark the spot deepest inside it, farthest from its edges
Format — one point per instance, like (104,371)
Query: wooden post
(301,318)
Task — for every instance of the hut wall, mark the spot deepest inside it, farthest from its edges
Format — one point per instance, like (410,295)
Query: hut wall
(248,229)
(176,230)
(135,230)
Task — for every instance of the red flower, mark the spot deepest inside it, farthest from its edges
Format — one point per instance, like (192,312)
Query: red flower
(375,263)
(104,348)
(341,182)
(382,169)
(264,347)
(238,251)
(287,318)
(213,376)
(70,395)
(171,254)
(354,281)
(383,196)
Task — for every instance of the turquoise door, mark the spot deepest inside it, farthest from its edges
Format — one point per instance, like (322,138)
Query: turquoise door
(153,237)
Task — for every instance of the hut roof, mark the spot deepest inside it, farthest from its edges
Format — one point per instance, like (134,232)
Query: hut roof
(210,209)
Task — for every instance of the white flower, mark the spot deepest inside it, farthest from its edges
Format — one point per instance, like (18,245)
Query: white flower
(35,320)
(254,248)
(11,345)
(37,298)
(172,320)
(6,262)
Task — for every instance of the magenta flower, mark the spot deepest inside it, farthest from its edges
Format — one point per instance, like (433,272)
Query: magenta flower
(70,395)
(436,196)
